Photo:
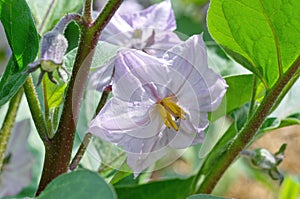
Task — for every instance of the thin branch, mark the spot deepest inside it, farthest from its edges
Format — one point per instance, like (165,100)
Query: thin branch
(106,13)
(8,124)
(46,111)
(88,136)
(253,96)
(87,11)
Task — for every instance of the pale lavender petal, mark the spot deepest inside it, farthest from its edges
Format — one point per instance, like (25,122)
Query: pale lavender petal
(102,77)
(138,119)
(117,31)
(17,173)
(129,6)
(163,41)
(190,59)
(149,71)
(159,16)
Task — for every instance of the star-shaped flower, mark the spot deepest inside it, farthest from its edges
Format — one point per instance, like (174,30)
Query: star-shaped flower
(159,104)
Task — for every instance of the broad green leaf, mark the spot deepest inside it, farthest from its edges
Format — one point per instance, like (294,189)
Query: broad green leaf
(23,40)
(77,185)
(238,93)
(20,30)
(290,189)
(204,196)
(47,13)
(262,35)
(174,188)
(11,81)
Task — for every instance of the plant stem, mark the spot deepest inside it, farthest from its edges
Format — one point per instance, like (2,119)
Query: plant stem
(58,152)
(253,96)
(247,133)
(46,111)
(87,15)
(8,124)
(88,136)
(35,109)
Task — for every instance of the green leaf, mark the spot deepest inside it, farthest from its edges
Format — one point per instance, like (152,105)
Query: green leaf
(47,13)
(11,81)
(55,93)
(174,188)
(20,30)
(239,85)
(290,189)
(77,185)
(218,150)
(23,40)
(262,35)
(204,196)
(273,123)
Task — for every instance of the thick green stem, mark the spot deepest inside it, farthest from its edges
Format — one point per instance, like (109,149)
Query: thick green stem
(58,152)
(35,109)
(8,123)
(247,133)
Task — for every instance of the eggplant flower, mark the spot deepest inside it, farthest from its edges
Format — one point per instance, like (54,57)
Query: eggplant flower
(16,172)
(159,104)
(149,30)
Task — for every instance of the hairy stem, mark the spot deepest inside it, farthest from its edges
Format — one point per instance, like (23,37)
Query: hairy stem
(58,152)
(247,133)
(35,109)
(8,123)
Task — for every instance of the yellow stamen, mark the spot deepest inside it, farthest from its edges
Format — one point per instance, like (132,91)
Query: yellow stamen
(171,121)
(167,109)
(173,108)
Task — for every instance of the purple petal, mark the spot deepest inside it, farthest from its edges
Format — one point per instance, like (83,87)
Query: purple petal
(117,31)
(190,60)
(139,71)
(163,41)
(102,77)
(17,173)
(159,16)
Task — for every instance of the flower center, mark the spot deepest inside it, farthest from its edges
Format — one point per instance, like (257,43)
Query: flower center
(170,112)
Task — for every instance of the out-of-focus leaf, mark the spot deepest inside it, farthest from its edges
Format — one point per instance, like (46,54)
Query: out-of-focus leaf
(262,35)
(112,157)
(219,148)
(204,196)
(290,189)
(17,171)
(48,12)
(238,93)
(78,184)
(174,188)
(23,40)
(273,123)
(240,116)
